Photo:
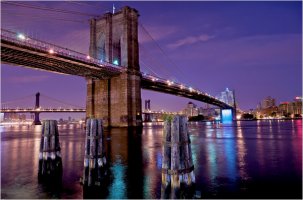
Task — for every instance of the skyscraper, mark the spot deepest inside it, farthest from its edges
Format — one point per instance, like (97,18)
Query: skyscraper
(191,110)
(227,96)
(268,102)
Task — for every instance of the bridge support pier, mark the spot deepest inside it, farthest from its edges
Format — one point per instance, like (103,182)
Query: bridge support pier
(227,116)
(147,117)
(117,101)
(37,119)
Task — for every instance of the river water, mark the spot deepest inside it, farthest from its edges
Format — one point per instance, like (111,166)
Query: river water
(248,159)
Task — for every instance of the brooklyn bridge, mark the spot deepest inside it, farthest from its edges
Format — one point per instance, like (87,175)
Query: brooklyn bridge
(112,70)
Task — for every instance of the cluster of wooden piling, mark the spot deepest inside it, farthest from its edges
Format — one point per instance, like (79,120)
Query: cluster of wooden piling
(94,159)
(50,162)
(177,165)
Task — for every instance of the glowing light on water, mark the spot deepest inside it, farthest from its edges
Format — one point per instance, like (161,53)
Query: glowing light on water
(118,187)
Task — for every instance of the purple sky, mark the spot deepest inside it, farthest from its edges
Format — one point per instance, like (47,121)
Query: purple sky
(252,47)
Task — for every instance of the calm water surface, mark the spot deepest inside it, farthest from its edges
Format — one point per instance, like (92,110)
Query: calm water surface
(254,159)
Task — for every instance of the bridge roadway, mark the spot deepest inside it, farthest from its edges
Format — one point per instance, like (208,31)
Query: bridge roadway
(20,50)
(39,110)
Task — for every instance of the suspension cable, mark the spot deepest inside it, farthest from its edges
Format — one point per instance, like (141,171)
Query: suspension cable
(50,9)
(59,101)
(161,50)
(18,99)
(27,15)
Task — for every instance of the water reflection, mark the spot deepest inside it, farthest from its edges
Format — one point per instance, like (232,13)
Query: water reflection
(230,155)
(37,129)
(212,160)
(256,159)
(152,160)
(221,161)
(241,154)
(124,154)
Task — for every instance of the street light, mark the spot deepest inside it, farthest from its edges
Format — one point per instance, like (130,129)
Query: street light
(169,82)
(21,36)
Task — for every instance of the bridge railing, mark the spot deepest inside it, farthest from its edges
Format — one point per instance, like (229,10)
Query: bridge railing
(177,85)
(41,109)
(53,49)
(182,87)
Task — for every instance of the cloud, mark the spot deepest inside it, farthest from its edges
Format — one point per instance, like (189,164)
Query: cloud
(278,49)
(191,40)
(28,79)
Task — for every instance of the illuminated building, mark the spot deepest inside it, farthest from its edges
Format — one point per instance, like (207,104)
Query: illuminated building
(14,117)
(267,108)
(297,106)
(22,117)
(290,109)
(285,109)
(191,110)
(227,96)
(268,102)
(209,111)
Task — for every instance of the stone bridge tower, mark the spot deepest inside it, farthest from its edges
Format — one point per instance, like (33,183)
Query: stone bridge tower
(114,39)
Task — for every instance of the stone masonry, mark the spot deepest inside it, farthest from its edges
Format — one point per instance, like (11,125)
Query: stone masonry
(114,39)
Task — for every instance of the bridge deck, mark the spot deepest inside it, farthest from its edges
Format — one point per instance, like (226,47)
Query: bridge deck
(41,55)
(175,89)
(37,54)
(29,110)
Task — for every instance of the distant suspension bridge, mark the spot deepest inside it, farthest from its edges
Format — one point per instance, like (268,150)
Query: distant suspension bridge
(10,107)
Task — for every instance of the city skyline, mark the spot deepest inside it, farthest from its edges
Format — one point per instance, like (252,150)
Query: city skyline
(225,44)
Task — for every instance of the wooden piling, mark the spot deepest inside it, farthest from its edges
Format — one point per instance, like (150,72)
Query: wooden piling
(50,162)
(175,157)
(166,161)
(94,159)
(186,155)
(177,166)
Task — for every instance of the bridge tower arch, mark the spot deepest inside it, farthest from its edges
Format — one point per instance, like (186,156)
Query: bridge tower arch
(117,100)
